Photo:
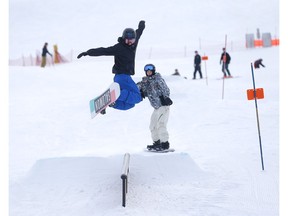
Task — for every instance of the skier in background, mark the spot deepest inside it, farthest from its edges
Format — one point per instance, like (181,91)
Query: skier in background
(225,61)
(155,88)
(176,73)
(257,63)
(197,65)
(124,63)
(44,54)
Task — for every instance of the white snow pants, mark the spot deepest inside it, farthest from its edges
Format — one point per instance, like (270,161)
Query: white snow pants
(158,124)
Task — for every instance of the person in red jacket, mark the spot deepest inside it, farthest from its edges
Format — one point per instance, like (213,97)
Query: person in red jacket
(225,61)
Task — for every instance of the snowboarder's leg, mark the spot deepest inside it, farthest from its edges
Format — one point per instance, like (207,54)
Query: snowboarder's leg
(158,124)
(130,94)
(162,123)
(153,126)
(121,105)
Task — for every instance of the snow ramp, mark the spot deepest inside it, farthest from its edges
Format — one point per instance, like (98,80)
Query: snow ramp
(92,185)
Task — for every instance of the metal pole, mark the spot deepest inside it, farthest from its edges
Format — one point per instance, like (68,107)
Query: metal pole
(206,71)
(124,183)
(224,62)
(124,177)
(258,124)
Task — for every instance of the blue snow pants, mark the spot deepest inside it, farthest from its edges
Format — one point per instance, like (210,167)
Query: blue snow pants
(129,92)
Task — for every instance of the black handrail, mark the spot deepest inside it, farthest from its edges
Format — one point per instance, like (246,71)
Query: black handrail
(124,177)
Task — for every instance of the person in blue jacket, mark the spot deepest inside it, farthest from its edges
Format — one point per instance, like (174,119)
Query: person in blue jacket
(44,54)
(197,65)
(124,63)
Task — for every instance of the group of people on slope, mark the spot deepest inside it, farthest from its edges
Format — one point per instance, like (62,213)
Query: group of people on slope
(225,60)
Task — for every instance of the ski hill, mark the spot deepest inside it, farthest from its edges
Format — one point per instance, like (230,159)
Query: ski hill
(62,162)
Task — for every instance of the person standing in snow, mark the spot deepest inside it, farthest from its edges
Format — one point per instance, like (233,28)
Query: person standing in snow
(155,88)
(197,65)
(44,54)
(225,61)
(124,63)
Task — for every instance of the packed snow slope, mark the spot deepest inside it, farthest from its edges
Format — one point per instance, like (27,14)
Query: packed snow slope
(64,163)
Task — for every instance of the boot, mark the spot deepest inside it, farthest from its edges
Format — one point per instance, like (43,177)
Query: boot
(112,104)
(103,112)
(165,145)
(155,144)
(161,146)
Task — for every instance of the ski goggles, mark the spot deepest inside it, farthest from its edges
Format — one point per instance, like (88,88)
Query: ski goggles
(149,67)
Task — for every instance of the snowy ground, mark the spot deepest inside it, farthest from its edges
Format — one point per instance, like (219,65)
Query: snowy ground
(64,163)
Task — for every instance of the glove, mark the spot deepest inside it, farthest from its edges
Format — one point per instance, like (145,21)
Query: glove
(142,94)
(165,101)
(141,24)
(82,54)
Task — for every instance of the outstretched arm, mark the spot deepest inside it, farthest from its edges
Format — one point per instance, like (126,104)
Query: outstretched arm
(139,31)
(82,54)
(109,51)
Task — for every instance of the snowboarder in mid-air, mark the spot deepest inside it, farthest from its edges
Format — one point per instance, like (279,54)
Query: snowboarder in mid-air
(155,88)
(124,63)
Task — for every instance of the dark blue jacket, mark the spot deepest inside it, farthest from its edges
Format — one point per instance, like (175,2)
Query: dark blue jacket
(197,59)
(228,58)
(45,51)
(124,55)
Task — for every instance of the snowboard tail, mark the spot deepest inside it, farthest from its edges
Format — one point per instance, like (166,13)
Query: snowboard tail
(161,151)
(102,101)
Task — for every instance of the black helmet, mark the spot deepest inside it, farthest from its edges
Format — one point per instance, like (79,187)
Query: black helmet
(129,33)
(150,67)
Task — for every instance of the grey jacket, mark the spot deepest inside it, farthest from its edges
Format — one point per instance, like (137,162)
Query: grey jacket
(153,87)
